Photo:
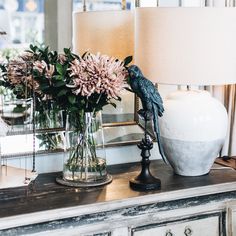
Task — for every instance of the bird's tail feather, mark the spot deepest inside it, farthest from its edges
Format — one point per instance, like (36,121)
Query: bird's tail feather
(157,132)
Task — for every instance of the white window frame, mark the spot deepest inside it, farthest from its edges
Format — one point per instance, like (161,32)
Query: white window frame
(58,24)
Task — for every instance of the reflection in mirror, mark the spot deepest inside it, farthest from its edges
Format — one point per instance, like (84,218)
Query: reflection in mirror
(120,135)
(51,142)
(44,142)
(17,113)
(124,111)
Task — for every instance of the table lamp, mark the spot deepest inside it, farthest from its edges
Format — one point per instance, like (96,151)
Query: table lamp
(189,46)
(107,32)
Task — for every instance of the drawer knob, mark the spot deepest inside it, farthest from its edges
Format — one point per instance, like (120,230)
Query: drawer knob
(169,233)
(188,231)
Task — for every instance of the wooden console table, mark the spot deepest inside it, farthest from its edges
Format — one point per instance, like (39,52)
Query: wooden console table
(185,206)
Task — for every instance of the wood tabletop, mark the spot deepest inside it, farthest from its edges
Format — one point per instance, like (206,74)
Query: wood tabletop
(45,194)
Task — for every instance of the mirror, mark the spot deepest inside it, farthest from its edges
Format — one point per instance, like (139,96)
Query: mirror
(23,21)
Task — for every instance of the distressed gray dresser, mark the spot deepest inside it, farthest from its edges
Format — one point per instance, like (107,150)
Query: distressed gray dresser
(185,206)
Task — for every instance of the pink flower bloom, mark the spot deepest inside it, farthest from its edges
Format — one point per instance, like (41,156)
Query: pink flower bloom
(97,74)
(43,68)
(27,56)
(31,83)
(49,71)
(61,58)
(39,66)
(17,71)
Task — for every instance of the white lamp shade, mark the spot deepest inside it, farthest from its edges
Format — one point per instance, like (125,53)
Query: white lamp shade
(189,46)
(107,32)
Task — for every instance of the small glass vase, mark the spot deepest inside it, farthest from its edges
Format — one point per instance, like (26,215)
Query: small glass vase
(49,119)
(17,113)
(48,116)
(85,158)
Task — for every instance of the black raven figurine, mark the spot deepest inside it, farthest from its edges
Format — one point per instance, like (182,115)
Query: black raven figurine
(151,100)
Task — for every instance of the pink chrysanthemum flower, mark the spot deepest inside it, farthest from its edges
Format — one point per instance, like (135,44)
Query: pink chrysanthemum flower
(27,56)
(39,66)
(49,71)
(97,74)
(19,72)
(42,67)
(61,58)
(16,71)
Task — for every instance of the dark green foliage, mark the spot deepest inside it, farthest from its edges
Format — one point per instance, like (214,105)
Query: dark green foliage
(127,60)
(55,87)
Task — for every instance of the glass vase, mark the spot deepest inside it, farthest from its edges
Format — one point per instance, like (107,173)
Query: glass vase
(17,113)
(48,116)
(85,158)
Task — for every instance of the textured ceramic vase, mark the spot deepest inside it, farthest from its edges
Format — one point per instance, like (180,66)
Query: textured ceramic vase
(193,129)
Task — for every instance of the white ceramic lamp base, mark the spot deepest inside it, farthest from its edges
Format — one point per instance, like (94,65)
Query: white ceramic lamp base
(193,129)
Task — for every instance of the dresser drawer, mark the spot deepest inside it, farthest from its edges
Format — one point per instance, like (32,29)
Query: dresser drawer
(209,226)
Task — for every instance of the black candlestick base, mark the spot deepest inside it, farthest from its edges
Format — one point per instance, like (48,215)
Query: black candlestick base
(140,185)
(145,180)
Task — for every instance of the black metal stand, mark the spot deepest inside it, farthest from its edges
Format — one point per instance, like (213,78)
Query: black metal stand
(145,180)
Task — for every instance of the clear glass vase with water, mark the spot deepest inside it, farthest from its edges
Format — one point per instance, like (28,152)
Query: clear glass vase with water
(85,157)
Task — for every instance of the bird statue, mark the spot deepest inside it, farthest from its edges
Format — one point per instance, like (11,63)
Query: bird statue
(151,101)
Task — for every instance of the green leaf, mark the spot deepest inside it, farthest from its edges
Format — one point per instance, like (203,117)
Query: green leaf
(127,79)
(30,51)
(62,92)
(85,54)
(73,109)
(65,68)
(113,104)
(44,86)
(33,48)
(127,60)
(41,144)
(128,89)
(72,99)
(118,99)
(36,73)
(38,137)
(67,50)
(59,68)
(59,83)
(75,56)
(58,77)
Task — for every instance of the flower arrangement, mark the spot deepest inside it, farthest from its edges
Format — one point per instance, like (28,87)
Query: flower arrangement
(96,81)
(80,86)
(16,83)
(87,82)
